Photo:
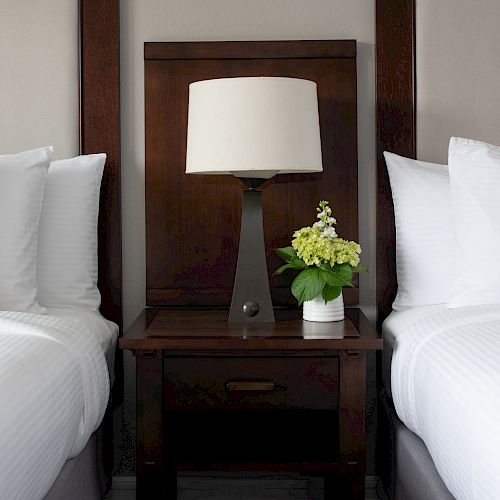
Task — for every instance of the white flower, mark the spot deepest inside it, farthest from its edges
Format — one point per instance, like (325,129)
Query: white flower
(329,232)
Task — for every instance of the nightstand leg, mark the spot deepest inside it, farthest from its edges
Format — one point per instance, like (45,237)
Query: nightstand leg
(151,480)
(351,429)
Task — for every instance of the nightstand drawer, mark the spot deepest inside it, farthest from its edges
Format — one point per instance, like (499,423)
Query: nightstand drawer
(251,382)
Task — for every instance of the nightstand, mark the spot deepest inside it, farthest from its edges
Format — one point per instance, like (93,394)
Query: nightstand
(285,396)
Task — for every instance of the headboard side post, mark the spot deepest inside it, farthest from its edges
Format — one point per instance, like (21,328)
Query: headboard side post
(396,127)
(100,132)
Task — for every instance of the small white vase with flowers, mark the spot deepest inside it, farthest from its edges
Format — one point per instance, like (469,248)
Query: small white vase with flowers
(325,263)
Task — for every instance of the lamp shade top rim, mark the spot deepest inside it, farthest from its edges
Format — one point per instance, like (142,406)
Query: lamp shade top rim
(263,79)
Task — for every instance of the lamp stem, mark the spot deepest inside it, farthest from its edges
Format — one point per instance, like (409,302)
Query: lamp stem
(251,301)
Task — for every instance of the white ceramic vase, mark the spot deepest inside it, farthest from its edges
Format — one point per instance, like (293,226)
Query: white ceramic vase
(317,310)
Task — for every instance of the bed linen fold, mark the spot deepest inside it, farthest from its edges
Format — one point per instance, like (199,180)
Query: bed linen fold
(446,388)
(54,388)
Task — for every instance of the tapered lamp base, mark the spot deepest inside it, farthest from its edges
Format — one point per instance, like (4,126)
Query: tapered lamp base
(251,301)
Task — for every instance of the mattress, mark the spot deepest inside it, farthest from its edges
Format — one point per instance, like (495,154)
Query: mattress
(445,385)
(54,389)
(394,325)
(104,331)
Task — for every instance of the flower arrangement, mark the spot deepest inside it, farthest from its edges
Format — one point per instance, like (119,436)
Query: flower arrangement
(326,262)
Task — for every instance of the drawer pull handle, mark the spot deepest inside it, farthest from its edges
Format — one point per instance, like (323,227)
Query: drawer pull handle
(250,385)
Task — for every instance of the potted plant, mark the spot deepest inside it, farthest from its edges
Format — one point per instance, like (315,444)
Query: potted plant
(325,263)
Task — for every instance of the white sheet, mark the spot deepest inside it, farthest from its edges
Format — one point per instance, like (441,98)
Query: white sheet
(446,389)
(54,389)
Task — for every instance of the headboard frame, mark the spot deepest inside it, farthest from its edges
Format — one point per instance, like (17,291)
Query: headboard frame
(100,132)
(192,221)
(396,127)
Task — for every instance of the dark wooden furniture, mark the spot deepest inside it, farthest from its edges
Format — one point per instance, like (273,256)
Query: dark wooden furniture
(288,396)
(99,24)
(192,221)
(270,397)
(396,127)
(100,132)
(403,461)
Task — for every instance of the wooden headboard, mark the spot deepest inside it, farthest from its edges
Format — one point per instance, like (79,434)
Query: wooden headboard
(396,127)
(192,222)
(100,132)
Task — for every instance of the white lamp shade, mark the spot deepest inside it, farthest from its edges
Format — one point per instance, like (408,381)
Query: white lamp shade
(253,127)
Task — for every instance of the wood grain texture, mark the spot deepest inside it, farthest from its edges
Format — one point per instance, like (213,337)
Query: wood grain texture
(193,221)
(100,132)
(149,408)
(307,382)
(352,420)
(287,49)
(396,127)
(192,330)
(311,420)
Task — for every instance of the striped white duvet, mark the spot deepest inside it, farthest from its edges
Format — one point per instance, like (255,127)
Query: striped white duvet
(446,388)
(54,388)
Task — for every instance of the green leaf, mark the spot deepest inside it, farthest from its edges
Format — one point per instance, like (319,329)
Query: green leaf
(308,284)
(295,263)
(285,253)
(338,275)
(331,292)
(282,268)
(360,268)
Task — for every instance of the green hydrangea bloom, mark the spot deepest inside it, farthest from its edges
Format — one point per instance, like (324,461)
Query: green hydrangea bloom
(315,249)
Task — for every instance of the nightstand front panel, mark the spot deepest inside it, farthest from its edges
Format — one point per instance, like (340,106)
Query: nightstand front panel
(251,383)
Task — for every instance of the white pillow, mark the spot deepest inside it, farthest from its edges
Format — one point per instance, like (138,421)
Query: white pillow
(67,241)
(22,179)
(422,208)
(475,192)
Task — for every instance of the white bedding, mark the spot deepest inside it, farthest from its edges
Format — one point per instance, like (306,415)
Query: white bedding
(446,389)
(54,389)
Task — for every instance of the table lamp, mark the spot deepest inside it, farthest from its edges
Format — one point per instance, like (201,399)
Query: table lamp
(253,128)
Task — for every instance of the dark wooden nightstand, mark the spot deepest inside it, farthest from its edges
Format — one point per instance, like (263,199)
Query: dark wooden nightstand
(288,396)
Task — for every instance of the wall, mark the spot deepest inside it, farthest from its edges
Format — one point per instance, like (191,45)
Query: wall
(458,74)
(39,76)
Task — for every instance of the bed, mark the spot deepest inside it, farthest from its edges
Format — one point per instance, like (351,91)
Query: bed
(438,383)
(49,450)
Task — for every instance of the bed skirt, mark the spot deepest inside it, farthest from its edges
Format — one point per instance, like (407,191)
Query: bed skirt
(403,461)
(88,475)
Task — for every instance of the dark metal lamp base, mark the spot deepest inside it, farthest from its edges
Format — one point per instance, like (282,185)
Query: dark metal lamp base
(251,301)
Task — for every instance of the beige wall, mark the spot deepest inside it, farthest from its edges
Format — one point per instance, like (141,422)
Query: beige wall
(39,75)
(184,20)
(458,74)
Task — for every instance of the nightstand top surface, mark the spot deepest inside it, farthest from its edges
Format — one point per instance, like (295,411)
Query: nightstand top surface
(158,329)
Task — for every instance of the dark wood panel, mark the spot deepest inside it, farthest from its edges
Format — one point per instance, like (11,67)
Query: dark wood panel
(149,409)
(396,128)
(205,429)
(100,132)
(254,440)
(288,49)
(205,330)
(192,221)
(254,382)
(219,297)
